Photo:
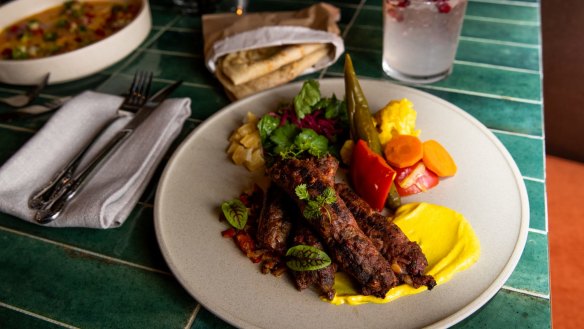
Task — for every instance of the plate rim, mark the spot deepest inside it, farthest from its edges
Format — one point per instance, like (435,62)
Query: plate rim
(450,320)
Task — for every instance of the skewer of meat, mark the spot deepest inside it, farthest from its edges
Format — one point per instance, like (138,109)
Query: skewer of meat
(274,227)
(323,279)
(406,257)
(351,249)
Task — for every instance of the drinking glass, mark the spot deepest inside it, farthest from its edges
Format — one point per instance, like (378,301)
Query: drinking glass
(420,38)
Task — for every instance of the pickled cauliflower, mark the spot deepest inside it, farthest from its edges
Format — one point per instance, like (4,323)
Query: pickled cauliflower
(398,117)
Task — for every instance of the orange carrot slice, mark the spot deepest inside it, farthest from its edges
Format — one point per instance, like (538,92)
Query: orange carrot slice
(437,159)
(403,151)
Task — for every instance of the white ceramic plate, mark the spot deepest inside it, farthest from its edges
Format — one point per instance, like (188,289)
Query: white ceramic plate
(488,189)
(74,64)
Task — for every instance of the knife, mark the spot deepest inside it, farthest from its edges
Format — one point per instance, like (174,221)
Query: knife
(51,209)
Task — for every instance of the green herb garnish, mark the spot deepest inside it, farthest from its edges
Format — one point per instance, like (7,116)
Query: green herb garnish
(235,212)
(306,258)
(308,96)
(314,206)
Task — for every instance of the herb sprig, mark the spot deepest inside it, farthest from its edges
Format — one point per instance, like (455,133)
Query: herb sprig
(314,205)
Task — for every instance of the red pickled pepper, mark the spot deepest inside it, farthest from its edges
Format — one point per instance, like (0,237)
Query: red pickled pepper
(371,175)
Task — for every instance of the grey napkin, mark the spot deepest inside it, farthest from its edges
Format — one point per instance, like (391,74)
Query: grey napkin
(108,197)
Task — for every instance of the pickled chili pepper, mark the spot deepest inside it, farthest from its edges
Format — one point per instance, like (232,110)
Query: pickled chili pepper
(360,118)
(361,124)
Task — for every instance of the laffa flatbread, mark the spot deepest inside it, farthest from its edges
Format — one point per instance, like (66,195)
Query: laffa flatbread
(280,76)
(243,66)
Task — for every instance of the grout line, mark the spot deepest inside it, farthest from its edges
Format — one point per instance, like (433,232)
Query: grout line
(504,132)
(38,316)
(527,292)
(501,42)
(501,21)
(85,251)
(497,67)
(538,231)
(538,180)
(510,3)
(170,52)
(193,317)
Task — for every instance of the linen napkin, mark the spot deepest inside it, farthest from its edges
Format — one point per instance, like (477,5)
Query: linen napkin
(110,194)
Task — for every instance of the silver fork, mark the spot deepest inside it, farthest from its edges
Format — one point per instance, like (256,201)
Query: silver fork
(25,99)
(46,195)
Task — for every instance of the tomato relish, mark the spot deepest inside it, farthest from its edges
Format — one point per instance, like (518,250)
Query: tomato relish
(64,28)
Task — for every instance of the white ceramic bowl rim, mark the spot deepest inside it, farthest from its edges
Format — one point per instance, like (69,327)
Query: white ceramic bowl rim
(29,71)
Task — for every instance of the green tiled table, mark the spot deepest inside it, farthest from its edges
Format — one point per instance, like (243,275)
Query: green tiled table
(52,278)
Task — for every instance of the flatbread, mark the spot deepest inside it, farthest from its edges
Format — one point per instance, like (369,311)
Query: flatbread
(247,65)
(280,76)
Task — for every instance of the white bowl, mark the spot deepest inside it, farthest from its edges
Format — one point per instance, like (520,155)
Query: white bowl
(74,64)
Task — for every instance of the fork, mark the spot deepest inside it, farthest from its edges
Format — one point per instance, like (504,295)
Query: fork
(25,99)
(58,185)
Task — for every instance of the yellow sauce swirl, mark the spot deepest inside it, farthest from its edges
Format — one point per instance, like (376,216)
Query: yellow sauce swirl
(446,238)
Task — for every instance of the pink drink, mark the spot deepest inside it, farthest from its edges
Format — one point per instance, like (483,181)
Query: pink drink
(420,38)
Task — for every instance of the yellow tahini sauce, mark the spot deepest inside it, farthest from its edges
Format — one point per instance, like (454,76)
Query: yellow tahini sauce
(446,238)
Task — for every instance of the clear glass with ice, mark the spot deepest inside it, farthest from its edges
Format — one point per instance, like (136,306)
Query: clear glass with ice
(420,38)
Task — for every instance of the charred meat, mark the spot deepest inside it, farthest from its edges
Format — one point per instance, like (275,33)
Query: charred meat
(406,257)
(351,249)
(275,222)
(323,279)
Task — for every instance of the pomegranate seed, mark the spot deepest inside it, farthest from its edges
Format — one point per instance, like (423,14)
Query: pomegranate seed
(443,7)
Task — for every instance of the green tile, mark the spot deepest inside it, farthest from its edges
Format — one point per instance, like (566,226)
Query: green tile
(347,9)
(189,22)
(86,291)
(499,54)
(494,81)
(366,63)
(172,67)
(537,208)
(12,319)
(184,42)
(532,271)
(499,114)
(206,319)
(509,309)
(503,11)
(527,152)
(131,242)
(370,17)
(77,86)
(374,41)
(527,34)
(161,16)
(464,77)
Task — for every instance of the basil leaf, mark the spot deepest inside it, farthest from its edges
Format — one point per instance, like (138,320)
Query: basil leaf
(306,258)
(308,96)
(309,140)
(267,125)
(235,212)
(283,137)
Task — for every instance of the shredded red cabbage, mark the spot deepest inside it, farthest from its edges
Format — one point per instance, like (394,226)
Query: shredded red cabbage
(316,121)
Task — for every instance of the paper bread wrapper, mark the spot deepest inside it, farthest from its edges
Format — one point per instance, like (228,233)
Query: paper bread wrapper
(228,33)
